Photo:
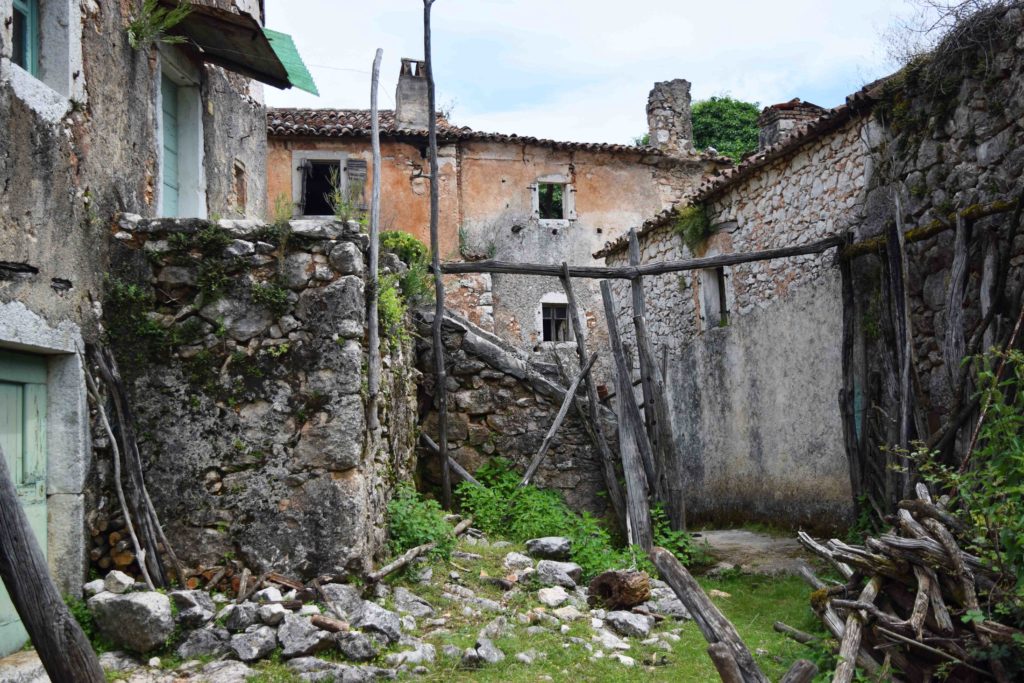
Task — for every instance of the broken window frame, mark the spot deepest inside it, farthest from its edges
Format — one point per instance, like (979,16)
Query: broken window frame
(716,297)
(568,200)
(555,327)
(301,163)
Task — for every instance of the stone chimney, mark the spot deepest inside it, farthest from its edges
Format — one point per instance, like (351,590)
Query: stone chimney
(412,107)
(779,120)
(668,118)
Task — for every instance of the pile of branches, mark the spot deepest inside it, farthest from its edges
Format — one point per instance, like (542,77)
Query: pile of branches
(911,605)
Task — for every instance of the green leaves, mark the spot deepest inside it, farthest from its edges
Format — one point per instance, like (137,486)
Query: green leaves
(153,22)
(414,521)
(728,125)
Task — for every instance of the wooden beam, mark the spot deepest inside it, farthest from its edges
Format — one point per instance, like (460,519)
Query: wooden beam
(62,646)
(373,323)
(459,469)
(630,272)
(611,480)
(570,394)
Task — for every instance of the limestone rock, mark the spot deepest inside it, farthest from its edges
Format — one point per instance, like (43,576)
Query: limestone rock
(346,258)
(343,597)
(552,597)
(409,603)
(269,594)
(568,613)
(334,442)
(423,653)
(254,645)
(609,640)
(551,573)
(372,617)
(299,638)
(356,647)
(118,582)
(630,624)
(225,672)
(549,547)
(665,601)
(516,561)
(483,652)
(241,320)
(195,608)
(338,308)
(204,642)
(238,617)
(496,628)
(93,587)
(272,615)
(135,621)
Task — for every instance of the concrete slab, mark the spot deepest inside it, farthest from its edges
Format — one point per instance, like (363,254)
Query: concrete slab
(756,553)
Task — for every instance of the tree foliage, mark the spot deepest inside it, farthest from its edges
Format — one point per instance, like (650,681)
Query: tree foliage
(727,124)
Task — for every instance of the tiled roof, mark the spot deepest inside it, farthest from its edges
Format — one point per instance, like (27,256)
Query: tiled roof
(356,123)
(857,104)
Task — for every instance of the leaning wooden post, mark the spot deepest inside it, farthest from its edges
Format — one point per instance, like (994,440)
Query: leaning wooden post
(373,371)
(712,623)
(441,378)
(570,395)
(611,480)
(630,435)
(62,646)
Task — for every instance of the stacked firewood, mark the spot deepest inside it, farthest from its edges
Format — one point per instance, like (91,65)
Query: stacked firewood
(111,546)
(912,604)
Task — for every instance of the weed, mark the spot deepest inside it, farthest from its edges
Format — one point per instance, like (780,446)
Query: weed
(345,201)
(414,520)
(391,309)
(153,22)
(273,297)
(693,225)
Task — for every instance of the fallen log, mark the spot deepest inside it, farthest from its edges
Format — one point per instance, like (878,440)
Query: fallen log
(328,624)
(802,671)
(619,589)
(411,554)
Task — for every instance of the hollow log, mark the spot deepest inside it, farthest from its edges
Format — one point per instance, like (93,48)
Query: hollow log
(620,589)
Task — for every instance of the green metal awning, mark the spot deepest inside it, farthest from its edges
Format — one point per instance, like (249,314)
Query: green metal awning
(284,47)
(239,43)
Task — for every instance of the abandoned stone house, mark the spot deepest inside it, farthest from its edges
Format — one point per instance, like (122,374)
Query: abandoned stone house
(505,197)
(92,127)
(779,382)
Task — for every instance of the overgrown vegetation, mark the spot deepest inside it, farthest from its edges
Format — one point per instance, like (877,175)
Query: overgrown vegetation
(417,284)
(504,509)
(344,199)
(152,23)
(273,296)
(727,124)
(391,308)
(414,520)
(693,225)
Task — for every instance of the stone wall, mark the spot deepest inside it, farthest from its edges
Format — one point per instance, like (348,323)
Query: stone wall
(501,403)
(243,347)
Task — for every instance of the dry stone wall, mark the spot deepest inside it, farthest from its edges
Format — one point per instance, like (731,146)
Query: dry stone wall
(243,347)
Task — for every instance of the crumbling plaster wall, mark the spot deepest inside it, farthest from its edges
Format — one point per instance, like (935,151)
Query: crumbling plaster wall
(251,402)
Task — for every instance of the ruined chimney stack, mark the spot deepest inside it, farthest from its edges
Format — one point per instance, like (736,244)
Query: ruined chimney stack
(779,120)
(668,118)
(412,107)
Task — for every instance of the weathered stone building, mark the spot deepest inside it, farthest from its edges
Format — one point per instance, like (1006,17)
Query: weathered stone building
(91,127)
(506,197)
(781,395)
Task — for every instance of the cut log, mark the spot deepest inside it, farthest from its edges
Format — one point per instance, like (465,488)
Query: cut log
(802,671)
(712,623)
(59,641)
(619,589)
(328,624)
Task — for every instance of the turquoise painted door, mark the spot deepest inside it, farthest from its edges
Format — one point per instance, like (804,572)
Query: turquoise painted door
(23,439)
(169,127)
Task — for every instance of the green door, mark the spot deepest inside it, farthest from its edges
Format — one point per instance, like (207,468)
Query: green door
(169,127)
(23,439)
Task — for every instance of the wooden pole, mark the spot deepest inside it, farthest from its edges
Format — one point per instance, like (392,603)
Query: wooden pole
(456,467)
(62,646)
(712,623)
(630,436)
(851,636)
(630,272)
(373,371)
(441,377)
(611,480)
(570,394)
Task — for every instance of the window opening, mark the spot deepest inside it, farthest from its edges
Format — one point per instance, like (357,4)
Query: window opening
(240,187)
(555,319)
(551,199)
(25,35)
(319,186)
(723,306)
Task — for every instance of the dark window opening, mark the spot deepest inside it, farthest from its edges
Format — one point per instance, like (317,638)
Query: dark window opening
(551,201)
(723,306)
(25,35)
(555,319)
(240,187)
(321,179)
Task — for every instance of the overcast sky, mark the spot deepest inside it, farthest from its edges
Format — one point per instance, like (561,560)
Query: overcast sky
(582,69)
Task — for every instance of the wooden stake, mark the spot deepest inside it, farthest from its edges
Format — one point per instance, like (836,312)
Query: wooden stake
(570,394)
(611,480)
(58,639)
(373,371)
(441,377)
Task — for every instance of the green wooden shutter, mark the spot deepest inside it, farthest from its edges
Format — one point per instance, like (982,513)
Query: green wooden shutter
(25,35)
(169,99)
(23,439)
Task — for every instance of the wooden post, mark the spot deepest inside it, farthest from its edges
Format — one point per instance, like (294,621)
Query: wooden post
(630,436)
(373,371)
(570,394)
(62,646)
(712,623)
(441,377)
(636,286)
(611,480)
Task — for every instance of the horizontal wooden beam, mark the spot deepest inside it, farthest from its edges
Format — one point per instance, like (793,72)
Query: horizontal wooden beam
(632,272)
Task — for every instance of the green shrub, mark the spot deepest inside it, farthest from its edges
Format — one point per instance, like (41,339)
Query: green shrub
(391,309)
(414,521)
(678,542)
(693,225)
(501,508)
(274,297)
(405,246)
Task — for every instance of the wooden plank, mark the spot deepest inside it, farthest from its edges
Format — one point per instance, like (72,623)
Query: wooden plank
(59,641)
(630,436)
(441,378)
(630,272)
(570,394)
(636,286)
(712,623)
(373,323)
